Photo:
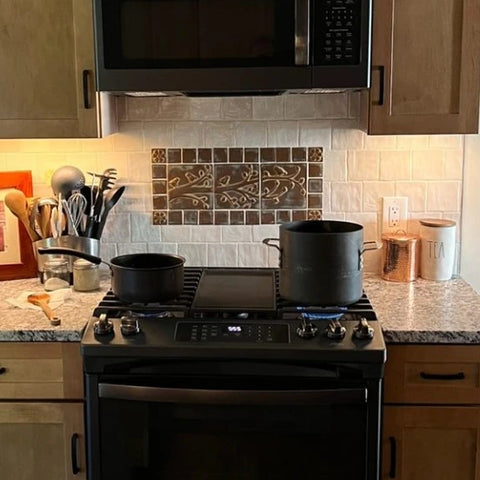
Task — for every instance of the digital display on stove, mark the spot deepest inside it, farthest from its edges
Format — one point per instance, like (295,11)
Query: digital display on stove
(231,332)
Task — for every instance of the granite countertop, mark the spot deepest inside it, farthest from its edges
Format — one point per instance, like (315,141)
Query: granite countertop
(418,312)
(31,325)
(424,311)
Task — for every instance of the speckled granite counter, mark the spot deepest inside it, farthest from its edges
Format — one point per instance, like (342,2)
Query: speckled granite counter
(425,311)
(417,312)
(28,325)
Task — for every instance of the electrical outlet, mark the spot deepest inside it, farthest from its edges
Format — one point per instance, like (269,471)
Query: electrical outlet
(394,214)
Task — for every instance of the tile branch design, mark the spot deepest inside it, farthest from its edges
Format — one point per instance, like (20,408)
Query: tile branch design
(277,183)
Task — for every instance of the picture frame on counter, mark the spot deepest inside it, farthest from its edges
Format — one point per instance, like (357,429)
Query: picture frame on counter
(17,259)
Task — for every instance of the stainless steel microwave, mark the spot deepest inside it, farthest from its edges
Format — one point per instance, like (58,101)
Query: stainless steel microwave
(229,47)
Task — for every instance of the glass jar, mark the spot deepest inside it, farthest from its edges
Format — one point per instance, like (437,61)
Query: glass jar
(56,268)
(86,276)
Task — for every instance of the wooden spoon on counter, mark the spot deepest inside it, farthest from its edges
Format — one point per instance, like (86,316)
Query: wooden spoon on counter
(41,300)
(16,201)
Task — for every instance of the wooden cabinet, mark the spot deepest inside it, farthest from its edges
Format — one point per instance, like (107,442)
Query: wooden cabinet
(47,87)
(41,411)
(431,417)
(425,67)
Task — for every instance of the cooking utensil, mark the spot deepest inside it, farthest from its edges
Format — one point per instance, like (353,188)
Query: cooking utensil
(16,201)
(45,212)
(77,205)
(138,277)
(67,179)
(41,300)
(70,222)
(110,200)
(107,180)
(321,262)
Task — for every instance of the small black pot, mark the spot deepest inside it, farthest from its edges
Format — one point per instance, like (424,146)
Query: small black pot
(139,277)
(321,262)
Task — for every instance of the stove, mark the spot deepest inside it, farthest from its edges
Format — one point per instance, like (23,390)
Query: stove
(235,313)
(193,376)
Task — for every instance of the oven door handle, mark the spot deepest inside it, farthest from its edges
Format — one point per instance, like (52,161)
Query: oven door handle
(232,397)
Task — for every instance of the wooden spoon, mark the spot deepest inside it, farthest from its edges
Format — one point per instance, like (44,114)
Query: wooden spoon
(41,300)
(16,201)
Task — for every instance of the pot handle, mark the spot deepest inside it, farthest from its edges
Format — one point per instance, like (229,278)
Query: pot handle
(373,246)
(72,252)
(267,241)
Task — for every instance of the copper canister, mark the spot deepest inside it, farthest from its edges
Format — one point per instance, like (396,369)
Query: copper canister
(400,256)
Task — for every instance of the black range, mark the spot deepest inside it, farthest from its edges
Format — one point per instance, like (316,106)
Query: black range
(230,349)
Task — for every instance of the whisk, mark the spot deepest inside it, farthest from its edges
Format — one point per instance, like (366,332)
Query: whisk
(77,205)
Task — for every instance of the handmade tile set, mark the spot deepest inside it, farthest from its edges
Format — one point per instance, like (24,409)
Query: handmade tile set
(236,186)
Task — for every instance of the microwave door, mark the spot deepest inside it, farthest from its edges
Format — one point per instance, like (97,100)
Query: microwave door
(188,45)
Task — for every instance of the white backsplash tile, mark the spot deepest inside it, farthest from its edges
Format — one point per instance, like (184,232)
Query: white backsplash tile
(395,165)
(426,169)
(268,108)
(222,255)
(195,254)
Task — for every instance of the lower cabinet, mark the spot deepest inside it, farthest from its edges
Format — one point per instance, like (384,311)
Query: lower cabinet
(441,443)
(431,415)
(41,441)
(41,411)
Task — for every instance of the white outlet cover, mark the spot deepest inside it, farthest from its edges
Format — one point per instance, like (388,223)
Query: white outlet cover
(393,214)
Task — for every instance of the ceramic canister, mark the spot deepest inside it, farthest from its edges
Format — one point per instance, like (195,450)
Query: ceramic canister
(438,248)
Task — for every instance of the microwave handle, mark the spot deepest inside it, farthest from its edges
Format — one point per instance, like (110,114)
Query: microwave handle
(302,32)
(142,393)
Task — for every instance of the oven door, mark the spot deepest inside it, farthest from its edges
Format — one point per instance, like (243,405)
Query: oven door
(227,427)
(199,45)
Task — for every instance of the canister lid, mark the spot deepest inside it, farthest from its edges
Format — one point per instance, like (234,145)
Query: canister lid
(437,222)
(400,237)
(82,264)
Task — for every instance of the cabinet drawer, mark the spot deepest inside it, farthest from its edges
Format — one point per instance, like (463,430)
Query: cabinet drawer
(432,374)
(40,371)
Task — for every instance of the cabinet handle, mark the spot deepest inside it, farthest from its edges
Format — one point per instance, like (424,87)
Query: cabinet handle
(2,370)
(74,453)
(393,458)
(442,376)
(86,90)
(381,86)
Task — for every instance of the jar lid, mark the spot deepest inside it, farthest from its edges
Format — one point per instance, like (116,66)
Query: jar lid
(55,262)
(400,237)
(82,264)
(437,222)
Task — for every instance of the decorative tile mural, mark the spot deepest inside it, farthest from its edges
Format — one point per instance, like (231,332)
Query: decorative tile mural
(236,186)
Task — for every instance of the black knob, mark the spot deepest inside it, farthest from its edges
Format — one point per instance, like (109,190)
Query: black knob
(306,329)
(129,326)
(103,326)
(335,330)
(363,331)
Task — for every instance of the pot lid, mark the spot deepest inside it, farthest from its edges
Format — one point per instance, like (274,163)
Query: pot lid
(437,222)
(400,237)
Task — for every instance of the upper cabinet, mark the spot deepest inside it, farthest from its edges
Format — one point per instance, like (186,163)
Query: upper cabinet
(425,67)
(47,86)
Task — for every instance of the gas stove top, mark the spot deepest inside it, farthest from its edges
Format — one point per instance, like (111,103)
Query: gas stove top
(234,313)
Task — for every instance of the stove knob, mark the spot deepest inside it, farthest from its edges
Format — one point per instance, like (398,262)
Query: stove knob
(335,330)
(306,329)
(363,331)
(129,326)
(103,326)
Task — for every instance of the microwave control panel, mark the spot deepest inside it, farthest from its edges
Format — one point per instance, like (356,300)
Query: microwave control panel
(338,35)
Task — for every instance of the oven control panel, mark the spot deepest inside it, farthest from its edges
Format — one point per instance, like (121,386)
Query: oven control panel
(231,332)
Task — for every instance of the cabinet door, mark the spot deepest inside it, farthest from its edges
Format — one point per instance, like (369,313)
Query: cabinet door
(425,67)
(41,441)
(47,58)
(441,443)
